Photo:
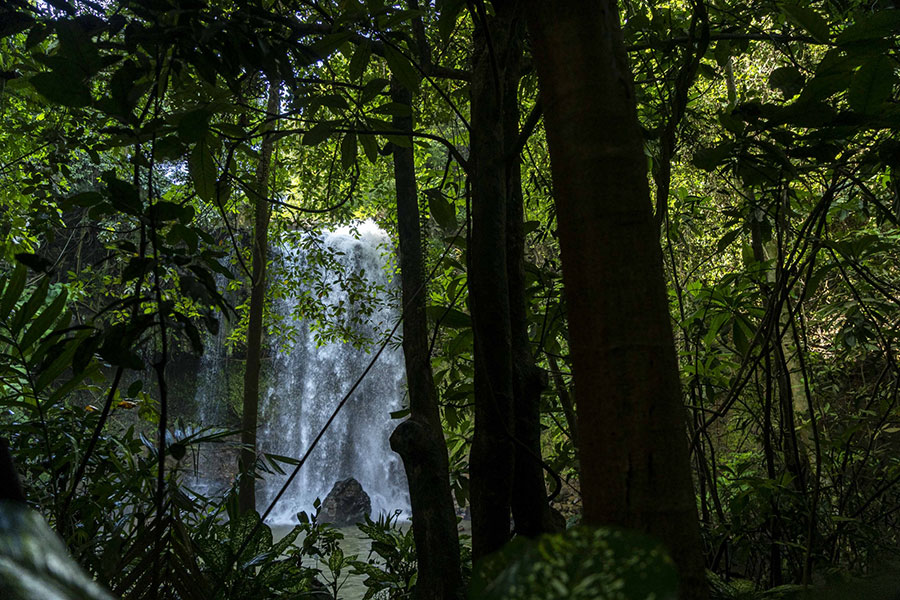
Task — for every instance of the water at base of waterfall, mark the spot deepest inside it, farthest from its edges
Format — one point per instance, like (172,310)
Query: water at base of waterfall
(306,376)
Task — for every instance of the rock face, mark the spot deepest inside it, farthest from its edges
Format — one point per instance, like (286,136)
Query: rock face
(346,504)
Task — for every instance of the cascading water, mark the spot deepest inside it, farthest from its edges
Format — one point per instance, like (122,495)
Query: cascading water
(308,380)
(307,377)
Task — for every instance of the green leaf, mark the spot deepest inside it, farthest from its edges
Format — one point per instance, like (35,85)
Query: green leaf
(360,60)
(134,389)
(742,333)
(402,69)
(84,199)
(64,87)
(202,168)
(788,80)
(348,150)
(13,291)
(400,414)
(30,308)
(727,239)
(809,20)
(123,195)
(165,211)
(448,12)
(395,109)
(193,125)
(878,26)
(336,102)
(443,211)
(370,146)
(578,563)
(168,148)
(44,321)
(34,262)
(449,317)
(871,85)
(75,46)
(319,133)
(56,368)
(710,158)
(372,89)
(15,22)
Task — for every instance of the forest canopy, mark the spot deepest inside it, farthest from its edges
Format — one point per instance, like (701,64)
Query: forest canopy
(643,272)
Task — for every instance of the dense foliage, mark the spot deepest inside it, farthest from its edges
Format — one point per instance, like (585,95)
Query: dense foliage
(130,143)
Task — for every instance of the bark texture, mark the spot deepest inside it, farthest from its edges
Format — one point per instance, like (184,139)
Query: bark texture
(420,439)
(250,412)
(634,455)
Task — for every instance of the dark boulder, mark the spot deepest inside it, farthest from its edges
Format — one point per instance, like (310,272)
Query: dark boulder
(346,504)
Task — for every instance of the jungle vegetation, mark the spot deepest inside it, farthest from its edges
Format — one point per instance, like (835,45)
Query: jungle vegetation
(647,258)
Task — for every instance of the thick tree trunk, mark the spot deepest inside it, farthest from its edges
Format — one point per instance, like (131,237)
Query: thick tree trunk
(250,412)
(492,458)
(420,439)
(634,455)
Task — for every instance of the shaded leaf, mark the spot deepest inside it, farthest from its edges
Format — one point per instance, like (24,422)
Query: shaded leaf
(441,209)
(360,60)
(808,19)
(449,317)
(871,85)
(402,69)
(64,87)
(319,133)
(202,168)
(370,146)
(727,239)
(788,80)
(348,150)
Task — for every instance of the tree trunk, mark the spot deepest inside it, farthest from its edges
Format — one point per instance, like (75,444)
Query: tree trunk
(634,454)
(530,509)
(492,458)
(250,412)
(420,439)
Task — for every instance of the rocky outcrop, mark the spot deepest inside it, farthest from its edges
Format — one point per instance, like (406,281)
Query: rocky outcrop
(346,504)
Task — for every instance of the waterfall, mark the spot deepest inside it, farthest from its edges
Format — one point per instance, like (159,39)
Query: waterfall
(348,283)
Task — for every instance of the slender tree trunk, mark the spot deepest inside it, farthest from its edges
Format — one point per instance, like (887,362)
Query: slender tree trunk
(530,509)
(420,439)
(250,413)
(492,458)
(634,454)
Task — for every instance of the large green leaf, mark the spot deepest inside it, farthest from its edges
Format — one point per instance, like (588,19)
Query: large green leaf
(808,19)
(64,87)
(871,85)
(876,27)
